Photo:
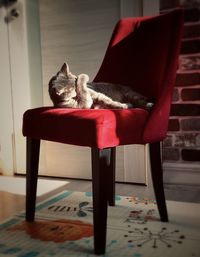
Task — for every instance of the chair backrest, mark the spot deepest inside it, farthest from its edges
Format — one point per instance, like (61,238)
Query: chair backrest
(143,53)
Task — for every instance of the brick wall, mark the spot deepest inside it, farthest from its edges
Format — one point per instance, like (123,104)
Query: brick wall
(182,144)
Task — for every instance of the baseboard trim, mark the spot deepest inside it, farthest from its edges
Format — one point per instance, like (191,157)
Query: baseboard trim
(178,173)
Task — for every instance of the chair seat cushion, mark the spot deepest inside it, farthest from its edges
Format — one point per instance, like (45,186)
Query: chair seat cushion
(86,127)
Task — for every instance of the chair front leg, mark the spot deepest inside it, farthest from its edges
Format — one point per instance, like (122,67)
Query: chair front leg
(157,178)
(32,162)
(100,182)
(111,177)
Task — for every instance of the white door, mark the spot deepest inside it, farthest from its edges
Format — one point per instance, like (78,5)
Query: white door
(78,32)
(20,73)
(6,111)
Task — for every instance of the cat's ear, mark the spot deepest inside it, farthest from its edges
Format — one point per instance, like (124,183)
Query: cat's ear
(65,69)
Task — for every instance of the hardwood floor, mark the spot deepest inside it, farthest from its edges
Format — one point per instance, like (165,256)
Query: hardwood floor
(11,204)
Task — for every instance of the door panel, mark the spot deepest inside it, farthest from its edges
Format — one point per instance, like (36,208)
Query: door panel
(20,83)
(78,32)
(20,78)
(6,114)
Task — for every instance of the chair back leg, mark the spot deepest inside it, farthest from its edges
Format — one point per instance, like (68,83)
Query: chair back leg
(32,162)
(157,178)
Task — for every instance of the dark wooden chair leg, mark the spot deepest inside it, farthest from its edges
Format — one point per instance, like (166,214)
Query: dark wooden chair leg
(100,168)
(157,178)
(32,162)
(111,178)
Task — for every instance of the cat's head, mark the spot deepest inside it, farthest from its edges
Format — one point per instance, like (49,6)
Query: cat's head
(62,85)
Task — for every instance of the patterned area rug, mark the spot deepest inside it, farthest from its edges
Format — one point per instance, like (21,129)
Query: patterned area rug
(63,227)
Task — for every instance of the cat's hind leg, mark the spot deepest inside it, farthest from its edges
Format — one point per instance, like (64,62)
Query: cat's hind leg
(102,101)
(138,101)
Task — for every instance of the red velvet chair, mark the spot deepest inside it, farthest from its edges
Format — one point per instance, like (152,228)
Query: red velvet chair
(143,53)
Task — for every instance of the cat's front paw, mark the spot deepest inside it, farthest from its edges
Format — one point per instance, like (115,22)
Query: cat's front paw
(126,106)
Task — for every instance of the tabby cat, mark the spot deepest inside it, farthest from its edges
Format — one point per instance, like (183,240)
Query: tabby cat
(70,91)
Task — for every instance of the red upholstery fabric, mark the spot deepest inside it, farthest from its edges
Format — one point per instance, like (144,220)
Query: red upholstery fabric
(143,53)
(94,128)
(140,51)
